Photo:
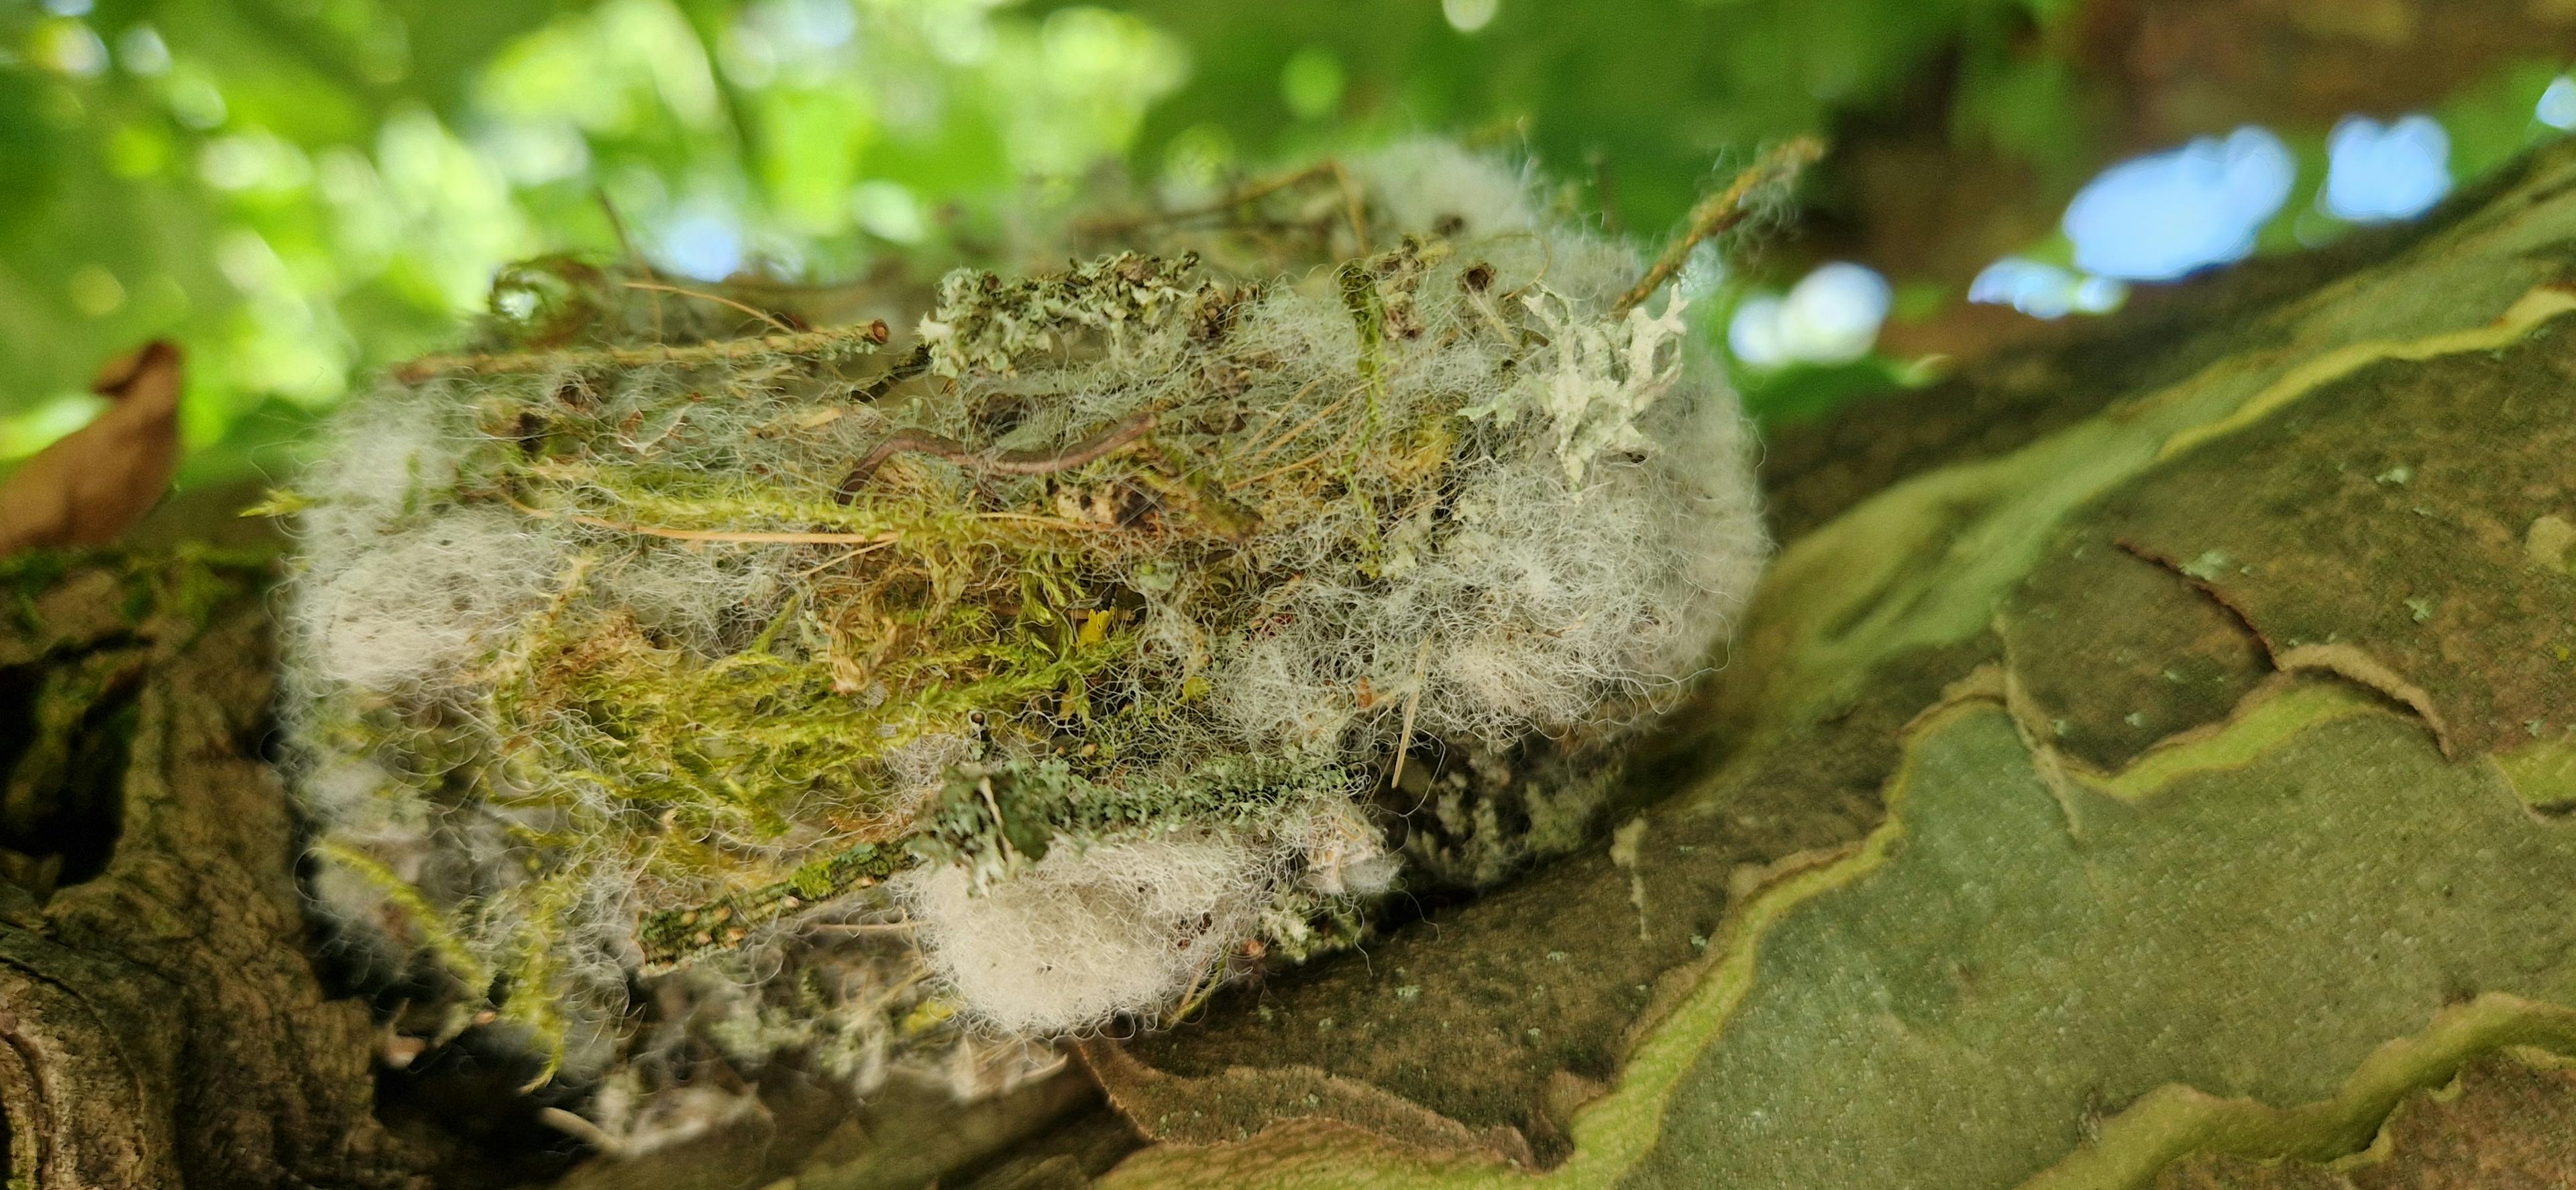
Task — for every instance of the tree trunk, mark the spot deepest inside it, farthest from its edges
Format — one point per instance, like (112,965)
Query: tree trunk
(2145,764)
(162,1023)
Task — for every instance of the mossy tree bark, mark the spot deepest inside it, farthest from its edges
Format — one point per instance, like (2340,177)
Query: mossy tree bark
(162,1023)
(2145,761)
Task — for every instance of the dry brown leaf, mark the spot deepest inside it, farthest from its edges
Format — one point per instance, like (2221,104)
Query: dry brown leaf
(99,480)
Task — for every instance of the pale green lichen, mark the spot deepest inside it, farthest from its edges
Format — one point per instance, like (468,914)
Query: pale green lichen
(1601,377)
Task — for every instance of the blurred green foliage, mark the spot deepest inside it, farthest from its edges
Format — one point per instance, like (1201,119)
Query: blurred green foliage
(1642,99)
(301,190)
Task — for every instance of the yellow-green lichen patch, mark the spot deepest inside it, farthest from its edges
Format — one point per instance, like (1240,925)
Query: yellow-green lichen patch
(2174,1121)
(2253,928)
(2543,772)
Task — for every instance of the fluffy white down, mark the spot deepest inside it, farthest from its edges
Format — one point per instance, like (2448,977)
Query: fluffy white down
(393,594)
(1078,937)
(1544,599)
(425,600)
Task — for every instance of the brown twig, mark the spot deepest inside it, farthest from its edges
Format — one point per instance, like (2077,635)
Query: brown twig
(634,255)
(914,363)
(1299,432)
(1720,212)
(1013,462)
(717,298)
(870,540)
(868,337)
(1251,193)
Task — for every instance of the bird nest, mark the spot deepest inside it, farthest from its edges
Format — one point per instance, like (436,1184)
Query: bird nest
(904,696)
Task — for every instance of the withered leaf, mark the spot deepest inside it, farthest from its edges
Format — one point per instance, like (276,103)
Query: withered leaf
(95,483)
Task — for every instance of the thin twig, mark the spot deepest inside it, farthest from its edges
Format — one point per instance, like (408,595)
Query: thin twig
(1412,703)
(861,539)
(867,337)
(1281,413)
(617,225)
(1201,987)
(1302,427)
(579,1129)
(829,563)
(870,541)
(1719,212)
(1009,462)
(1001,829)
(863,927)
(634,255)
(1601,193)
(1353,205)
(1252,193)
(719,299)
(1285,468)
(914,363)
(886,997)
(1048,521)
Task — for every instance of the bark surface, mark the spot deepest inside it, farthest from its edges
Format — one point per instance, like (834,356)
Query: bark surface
(160,1024)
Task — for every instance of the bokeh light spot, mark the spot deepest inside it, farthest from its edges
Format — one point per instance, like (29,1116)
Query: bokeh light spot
(69,47)
(2377,172)
(2557,106)
(702,244)
(889,211)
(96,291)
(1312,82)
(2158,217)
(142,51)
(2044,290)
(1467,16)
(1754,333)
(1831,316)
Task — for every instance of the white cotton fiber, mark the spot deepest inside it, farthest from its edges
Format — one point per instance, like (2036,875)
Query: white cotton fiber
(425,599)
(1082,935)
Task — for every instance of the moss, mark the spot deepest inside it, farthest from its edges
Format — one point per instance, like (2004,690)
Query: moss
(69,596)
(674,935)
(29,573)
